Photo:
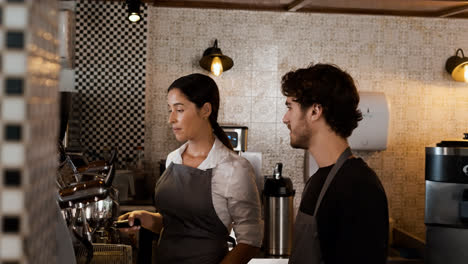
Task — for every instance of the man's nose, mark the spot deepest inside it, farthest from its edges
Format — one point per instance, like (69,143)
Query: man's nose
(285,119)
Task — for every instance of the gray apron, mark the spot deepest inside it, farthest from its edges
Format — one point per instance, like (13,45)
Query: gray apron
(306,246)
(192,231)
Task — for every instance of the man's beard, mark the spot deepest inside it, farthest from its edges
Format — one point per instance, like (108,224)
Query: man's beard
(301,139)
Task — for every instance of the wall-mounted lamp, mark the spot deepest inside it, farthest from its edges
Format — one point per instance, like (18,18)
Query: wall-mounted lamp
(458,66)
(213,60)
(133,10)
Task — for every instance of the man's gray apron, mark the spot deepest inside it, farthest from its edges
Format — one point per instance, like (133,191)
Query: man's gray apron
(306,246)
(192,231)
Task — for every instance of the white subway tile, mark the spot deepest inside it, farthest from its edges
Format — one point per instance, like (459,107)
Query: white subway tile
(12,202)
(2,80)
(2,39)
(11,247)
(15,16)
(12,154)
(13,109)
(14,63)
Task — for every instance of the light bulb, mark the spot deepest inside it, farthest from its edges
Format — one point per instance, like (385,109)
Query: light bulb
(134,17)
(216,66)
(466,72)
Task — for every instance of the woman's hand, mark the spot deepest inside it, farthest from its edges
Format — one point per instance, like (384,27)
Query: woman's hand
(131,216)
(240,254)
(148,220)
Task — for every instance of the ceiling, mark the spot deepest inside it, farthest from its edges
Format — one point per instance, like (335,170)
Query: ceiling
(419,8)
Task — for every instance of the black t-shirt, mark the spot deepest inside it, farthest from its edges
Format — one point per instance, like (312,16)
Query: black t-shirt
(353,216)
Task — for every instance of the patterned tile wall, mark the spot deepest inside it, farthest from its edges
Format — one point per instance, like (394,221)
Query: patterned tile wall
(401,56)
(28,130)
(110,77)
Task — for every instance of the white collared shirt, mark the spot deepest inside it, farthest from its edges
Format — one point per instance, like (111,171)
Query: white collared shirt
(234,191)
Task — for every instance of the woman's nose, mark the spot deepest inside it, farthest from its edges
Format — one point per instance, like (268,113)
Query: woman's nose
(171,118)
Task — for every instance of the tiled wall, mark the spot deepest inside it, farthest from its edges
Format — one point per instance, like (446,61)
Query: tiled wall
(400,56)
(28,130)
(110,78)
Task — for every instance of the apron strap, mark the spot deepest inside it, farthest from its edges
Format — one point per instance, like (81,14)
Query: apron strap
(341,160)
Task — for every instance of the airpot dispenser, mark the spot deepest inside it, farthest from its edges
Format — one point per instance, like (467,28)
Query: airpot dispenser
(278,202)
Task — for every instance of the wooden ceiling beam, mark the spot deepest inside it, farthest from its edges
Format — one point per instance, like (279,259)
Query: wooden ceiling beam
(453,11)
(305,6)
(297,4)
(214,4)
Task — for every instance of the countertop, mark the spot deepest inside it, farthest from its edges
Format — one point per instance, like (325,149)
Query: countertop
(404,244)
(262,258)
(284,261)
(390,260)
(268,261)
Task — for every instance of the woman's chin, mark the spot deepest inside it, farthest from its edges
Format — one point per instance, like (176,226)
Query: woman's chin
(180,138)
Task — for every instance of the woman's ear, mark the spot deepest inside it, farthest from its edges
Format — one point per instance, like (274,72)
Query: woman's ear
(205,110)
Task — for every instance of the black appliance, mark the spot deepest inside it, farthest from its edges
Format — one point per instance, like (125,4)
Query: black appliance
(446,212)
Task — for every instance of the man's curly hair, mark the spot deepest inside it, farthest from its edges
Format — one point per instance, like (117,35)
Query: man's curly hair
(330,87)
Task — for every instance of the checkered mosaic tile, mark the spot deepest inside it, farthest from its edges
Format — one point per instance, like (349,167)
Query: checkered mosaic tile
(28,130)
(110,77)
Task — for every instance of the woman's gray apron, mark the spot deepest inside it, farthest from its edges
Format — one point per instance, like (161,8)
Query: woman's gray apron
(192,231)
(306,246)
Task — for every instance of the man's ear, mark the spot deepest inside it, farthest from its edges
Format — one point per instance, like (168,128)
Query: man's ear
(205,110)
(314,112)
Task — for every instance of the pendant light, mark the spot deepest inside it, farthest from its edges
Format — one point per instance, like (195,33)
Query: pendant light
(133,10)
(213,60)
(458,66)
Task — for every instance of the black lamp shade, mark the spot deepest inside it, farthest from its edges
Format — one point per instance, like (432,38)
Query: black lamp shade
(455,65)
(211,53)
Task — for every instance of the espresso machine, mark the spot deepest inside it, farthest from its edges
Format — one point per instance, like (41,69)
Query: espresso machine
(446,212)
(89,205)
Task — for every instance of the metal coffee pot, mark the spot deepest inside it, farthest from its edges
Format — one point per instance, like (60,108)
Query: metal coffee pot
(278,202)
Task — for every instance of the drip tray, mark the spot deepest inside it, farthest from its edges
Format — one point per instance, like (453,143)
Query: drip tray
(105,254)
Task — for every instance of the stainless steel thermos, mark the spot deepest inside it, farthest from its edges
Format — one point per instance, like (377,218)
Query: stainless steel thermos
(278,204)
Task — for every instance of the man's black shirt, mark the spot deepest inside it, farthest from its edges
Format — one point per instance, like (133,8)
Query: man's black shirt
(353,216)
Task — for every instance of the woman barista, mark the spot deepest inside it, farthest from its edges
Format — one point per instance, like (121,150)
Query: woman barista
(206,188)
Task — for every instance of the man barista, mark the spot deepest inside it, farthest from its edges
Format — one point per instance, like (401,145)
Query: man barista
(343,214)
